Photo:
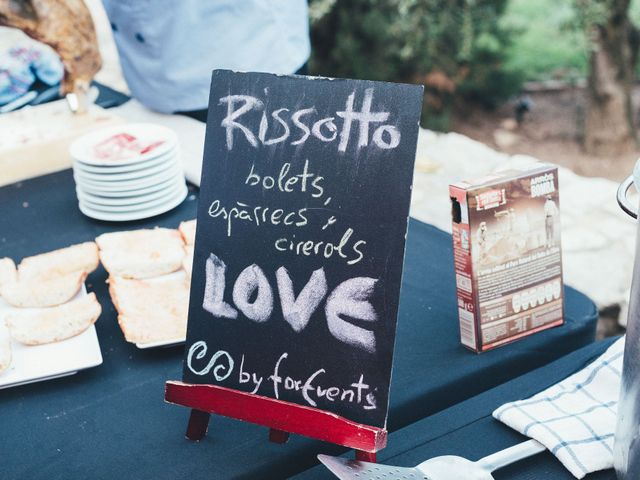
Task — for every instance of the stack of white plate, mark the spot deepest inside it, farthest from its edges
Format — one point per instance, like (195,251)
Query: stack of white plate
(128,172)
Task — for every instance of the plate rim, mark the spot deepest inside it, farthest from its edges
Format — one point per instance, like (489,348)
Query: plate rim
(78,147)
(129,199)
(134,207)
(123,186)
(124,176)
(123,168)
(138,215)
(127,193)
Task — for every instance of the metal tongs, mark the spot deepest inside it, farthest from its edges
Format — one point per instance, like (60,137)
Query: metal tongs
(446,467)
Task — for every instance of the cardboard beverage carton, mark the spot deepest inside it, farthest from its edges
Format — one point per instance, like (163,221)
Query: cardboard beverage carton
(507,256)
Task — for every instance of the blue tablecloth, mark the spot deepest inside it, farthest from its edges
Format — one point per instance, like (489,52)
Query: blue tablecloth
(469,430)
(111,421)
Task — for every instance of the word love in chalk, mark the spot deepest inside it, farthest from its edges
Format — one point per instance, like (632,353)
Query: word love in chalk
(222,365)
(297,126)
(350,299)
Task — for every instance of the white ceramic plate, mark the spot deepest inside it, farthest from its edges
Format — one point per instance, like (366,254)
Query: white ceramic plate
(135,215)
(136,192)
(127,185)
(83,176)
(164,343)
(54,360)
(90,148)
(170,193)
(128,200)
(83,167)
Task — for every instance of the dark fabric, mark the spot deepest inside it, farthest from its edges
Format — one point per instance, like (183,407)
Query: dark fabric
(200,115)
(110,421)
(108,97)
(469,430)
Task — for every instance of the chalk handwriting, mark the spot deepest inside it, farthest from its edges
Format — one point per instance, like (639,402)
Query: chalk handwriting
(256,215)
(221,371)
(298,311)
(250,280)
(350,299)
(286,183)
(213,302)
(385,136)
(246,377)
(351,252)
(222,364)
(358,392)
(229,122)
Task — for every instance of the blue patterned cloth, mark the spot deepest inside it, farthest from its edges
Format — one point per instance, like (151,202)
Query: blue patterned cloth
(20,67)
(576,418)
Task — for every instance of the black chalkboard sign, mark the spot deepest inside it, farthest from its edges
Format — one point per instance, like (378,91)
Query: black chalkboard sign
(304,203)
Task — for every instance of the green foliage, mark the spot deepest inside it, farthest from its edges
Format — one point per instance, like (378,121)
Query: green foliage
(546,43)
(550,39)
(456,48)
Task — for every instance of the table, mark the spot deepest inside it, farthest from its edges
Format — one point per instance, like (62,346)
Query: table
(456,431)
(111,421)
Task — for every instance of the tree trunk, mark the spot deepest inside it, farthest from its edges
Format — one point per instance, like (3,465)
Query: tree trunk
(609,123)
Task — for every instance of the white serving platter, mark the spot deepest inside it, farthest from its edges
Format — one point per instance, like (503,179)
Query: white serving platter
(37,363)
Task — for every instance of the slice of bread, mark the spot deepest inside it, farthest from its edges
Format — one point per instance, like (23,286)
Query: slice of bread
(141,253)
(41,292)
(188,231)
(8,273)
(80,257)
(5,347)
(151,310)
(40,326)
(187,261)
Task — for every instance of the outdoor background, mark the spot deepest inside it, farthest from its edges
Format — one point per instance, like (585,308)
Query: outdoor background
(572,62)
(478,58)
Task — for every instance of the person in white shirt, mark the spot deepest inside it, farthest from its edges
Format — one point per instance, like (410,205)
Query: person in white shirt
(168,48)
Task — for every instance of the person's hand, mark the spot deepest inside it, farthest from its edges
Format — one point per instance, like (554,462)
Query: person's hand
(66,26)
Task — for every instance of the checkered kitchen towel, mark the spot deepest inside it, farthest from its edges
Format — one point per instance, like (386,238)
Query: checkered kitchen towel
(576,418)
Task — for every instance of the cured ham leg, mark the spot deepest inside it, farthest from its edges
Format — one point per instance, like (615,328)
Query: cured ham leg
(66,26)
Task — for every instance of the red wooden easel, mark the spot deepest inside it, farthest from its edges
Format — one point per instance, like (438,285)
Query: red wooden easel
(281,417)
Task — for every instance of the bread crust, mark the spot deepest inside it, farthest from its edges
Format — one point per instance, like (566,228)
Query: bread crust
(138,254)
(78,257)
(8,273)
(151,310)
(54,324)
(187,261)
(188,231)
(40,292)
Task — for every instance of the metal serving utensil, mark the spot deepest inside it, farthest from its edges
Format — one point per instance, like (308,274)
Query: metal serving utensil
(446,467)
(81,98)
